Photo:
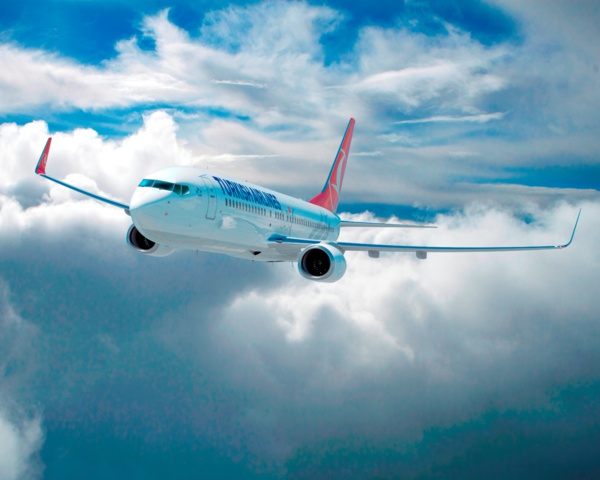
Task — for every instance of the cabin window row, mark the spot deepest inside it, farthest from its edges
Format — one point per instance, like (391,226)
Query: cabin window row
(306,223)
(248,207)
(279,215)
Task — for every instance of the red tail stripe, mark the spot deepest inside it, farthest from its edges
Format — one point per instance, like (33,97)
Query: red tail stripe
(330,195)
(40,169)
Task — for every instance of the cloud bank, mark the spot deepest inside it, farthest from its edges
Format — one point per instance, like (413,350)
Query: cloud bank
(274,375)
(203,365)
(21,433)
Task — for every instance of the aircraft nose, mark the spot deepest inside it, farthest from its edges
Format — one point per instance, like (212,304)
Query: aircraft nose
(148,206)
(144,197)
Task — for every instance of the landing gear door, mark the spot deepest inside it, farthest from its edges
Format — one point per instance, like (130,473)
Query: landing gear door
(211,204)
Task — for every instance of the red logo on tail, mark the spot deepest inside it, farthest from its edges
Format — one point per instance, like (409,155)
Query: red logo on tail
(41,166)
(330,195)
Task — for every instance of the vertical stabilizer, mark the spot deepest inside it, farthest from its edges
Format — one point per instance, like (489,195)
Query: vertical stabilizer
(40,168)
(330,195)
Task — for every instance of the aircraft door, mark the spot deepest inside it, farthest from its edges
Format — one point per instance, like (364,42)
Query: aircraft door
(323,232)
(211,204)
(289,218)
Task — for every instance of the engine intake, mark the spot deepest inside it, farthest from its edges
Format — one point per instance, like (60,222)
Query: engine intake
(144,245)
(322,263)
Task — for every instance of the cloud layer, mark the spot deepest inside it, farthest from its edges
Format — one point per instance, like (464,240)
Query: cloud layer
(21,433)
(279,99)
(282,376)
(204,365)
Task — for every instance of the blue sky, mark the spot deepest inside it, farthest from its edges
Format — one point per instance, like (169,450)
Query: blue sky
(480,116)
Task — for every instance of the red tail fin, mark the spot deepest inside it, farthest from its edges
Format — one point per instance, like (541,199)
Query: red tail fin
(330,195)
(40,168)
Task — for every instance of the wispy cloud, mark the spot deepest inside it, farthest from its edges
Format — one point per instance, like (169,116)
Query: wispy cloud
(481,118)
(241,83)
(196,71)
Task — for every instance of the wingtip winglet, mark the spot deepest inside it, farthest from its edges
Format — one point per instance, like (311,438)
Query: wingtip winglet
(575,227)
(573,232)
(40,168)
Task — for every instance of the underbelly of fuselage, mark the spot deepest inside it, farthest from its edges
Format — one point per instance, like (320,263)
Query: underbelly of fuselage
(227,235)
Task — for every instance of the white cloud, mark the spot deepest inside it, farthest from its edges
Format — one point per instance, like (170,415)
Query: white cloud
(480,118)
(273,46)
(451,73)
(114,165)
(397,347)
(271,29)
(370,287)
(408,345)
(19,444)
(298,105)
(240,83)
(21,434)
(280,54)
(42,78)
(556,70)
(575,25)
(276,364)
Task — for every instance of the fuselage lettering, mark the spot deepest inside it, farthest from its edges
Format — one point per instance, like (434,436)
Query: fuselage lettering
(242,192)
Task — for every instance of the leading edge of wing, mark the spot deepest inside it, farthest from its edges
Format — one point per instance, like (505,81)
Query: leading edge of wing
(40,169)
(365,247)
(350,223)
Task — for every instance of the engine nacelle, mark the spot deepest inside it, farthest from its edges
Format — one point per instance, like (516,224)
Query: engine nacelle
(146,246)
(322,263)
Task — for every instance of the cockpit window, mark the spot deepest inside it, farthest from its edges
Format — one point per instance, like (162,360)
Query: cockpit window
(163,185)
(178,188)
(181,189)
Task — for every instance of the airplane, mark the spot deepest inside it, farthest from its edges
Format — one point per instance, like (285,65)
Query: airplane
(191,208)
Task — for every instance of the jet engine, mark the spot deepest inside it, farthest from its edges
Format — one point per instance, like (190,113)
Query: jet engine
(144,245)
(322,263)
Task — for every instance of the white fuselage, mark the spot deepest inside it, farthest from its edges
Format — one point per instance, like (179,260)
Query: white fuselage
(208,211)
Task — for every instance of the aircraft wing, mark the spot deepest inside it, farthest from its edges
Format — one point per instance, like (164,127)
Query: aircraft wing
(421,251)
(350,223)
(40,169)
